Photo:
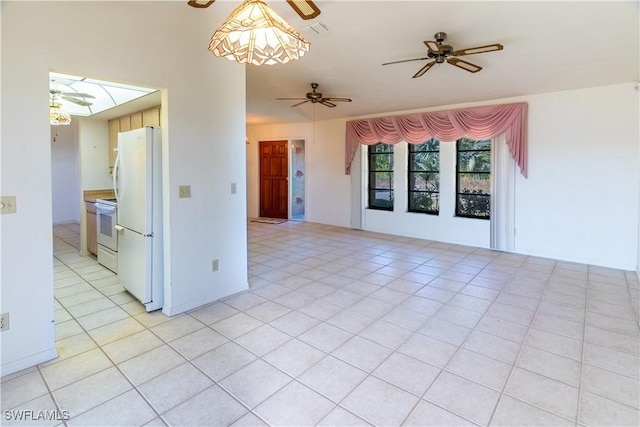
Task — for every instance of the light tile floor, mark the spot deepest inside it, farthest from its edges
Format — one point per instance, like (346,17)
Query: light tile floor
(344,327)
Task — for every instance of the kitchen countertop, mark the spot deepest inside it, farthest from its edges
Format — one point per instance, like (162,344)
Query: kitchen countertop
(92,195)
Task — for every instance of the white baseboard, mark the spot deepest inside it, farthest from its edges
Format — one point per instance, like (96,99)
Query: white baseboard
(28,362)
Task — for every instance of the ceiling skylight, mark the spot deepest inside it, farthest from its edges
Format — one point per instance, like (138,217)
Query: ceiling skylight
(103,95)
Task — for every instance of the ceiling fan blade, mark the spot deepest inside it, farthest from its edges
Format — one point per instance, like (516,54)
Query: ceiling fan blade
(305,8)
(337,99)
(77,94)
(81,102)
(479,49)
(433,46)
(424,69)
(291,99)
(405,60)
(467,66)
(300,103)
(200,4)
(327,103)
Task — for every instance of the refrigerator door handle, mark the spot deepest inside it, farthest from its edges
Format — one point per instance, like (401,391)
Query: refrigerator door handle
(119,227)
(115,175)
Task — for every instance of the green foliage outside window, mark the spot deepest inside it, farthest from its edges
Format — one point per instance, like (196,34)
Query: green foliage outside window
(424,177)
(473,178)
(381,176)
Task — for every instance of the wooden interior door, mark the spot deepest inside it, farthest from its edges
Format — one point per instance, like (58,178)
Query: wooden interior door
(274,179)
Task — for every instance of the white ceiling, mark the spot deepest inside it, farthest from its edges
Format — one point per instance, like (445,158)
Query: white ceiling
(548,46)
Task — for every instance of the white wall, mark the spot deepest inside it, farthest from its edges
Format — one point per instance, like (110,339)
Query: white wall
(65,175)
(580,202)
(203,102)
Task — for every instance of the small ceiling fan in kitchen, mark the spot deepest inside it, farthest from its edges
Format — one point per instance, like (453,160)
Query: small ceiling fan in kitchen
(75,97)
(440,53)
(315,98)
(305,8)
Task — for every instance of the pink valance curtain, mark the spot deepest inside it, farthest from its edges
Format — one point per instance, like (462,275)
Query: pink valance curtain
(476,122)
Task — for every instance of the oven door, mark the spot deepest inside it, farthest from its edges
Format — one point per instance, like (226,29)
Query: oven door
(106,225)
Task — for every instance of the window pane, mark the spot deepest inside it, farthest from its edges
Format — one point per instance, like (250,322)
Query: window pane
(472,144)
(424,181)
(424,161)
(431,145)
(383,180)
(381,198)
(474,205)
(381,148)
(426,202)
(382,162)
(474,183)
(381,176)
(474,161)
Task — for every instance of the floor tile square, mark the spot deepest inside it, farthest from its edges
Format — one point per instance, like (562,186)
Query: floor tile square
(543,392)
(295,323)
(481,369)
(333,378)
(513,412)
(127,409)
(295,405)
(386,334)
(212,406)
(362,353)
(263,339)
(146,366)
(294,357)
(478,402)
(379,402)
(198,343)
(255,382)
(224,360)
(236,325)
(175,386)
(599,411)
(428,414)
(325,337)
(407,373)
(177,327)
(427,349)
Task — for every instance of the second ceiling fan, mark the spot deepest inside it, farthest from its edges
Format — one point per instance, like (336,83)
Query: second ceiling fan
(315,98)
(440,52)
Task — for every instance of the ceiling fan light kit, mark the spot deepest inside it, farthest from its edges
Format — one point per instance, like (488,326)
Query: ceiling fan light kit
(440,52)
(57,117)
(255,34)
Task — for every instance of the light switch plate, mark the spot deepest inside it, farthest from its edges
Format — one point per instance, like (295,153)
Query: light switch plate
(8,204)
(184,191)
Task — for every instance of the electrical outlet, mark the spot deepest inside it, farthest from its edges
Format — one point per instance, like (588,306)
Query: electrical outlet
(214,265)
(8,204)
(4,322)
(234,188)
(184,191)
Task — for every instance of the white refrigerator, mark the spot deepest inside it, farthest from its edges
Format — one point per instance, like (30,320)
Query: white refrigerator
(137,181)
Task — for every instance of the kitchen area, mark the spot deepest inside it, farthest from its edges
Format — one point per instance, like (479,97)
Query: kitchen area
(84,203)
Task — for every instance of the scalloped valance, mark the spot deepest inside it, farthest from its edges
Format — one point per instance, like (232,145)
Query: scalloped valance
(475,122)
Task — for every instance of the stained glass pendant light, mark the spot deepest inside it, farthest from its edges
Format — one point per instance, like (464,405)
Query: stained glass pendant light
(57,116)
(255,34)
